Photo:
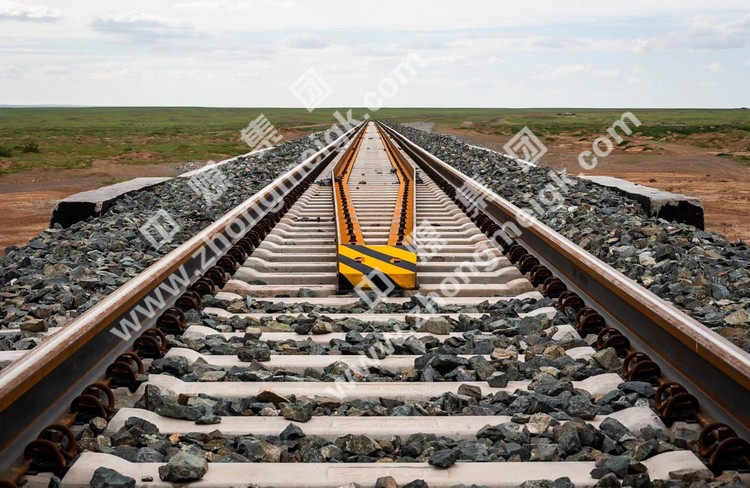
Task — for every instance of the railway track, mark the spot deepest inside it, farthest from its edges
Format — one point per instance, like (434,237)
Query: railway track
(375,313)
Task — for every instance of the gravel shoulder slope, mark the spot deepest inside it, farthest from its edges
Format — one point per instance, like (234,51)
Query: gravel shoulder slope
(63,272)
(702,273)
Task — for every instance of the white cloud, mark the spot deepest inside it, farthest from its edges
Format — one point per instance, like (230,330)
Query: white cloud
(204,5)
(117,74)
(448,59)
(713,32)
(56,71)
(305,41)
(141,26)
(233,5)
(10,73)
(640,45)
(635,80)
(606,73)
(570,69)
(714,68)
(13,10)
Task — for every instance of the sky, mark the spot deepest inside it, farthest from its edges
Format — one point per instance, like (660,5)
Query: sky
(405,53)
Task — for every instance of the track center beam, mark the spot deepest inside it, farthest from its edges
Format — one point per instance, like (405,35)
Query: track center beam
(386,268)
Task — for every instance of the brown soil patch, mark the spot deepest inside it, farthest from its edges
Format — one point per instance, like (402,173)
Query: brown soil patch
(680,167)
(27,198)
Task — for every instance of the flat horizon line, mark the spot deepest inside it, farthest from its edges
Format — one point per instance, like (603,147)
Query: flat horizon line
(365,108)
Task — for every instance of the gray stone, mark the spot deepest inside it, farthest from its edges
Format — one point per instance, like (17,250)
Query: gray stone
(98,424)
(613,428)
(718,291)
(174,365)
(183,467)
(566,436)
(608,359)
(563,483)
(357,444)
(444,458)
(299,412)
(609,480)
(291,432)
(545,453)
(498,380)
(640,480)
(641,387)
(109,478)
(536,484)
(470,390)
(691,475)
(386,482)
(138,426)
(149,455)
(170,409)
(581,407)
(686,438)
(444,363)
(208,419)
(619,465)
(305,293)
(255,351)
(257,450)
(508,431)
(438,325)
(414,345)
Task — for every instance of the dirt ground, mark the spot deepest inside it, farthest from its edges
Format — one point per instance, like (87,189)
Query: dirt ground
(27,199)
(679,167)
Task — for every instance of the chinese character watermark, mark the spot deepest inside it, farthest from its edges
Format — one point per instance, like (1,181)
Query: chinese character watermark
(260,134)
(525,143)
(160,229)
(311,89)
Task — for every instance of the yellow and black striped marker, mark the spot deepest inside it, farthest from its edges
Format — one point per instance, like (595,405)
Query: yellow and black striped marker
(384,268)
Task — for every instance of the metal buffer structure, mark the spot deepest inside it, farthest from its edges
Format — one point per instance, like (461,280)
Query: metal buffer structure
(387,268)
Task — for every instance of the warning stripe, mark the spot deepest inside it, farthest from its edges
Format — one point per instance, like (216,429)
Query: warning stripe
(354,271)
(408,261)
(372,262)
(357,274)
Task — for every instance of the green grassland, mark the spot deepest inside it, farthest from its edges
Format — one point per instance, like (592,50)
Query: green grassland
(76,137)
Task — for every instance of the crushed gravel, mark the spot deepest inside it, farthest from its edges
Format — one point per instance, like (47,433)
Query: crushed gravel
(63,272)
(700,272)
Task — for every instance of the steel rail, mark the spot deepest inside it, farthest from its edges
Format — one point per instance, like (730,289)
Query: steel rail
(405,212)
(715,371)
(348,230)
(38,389)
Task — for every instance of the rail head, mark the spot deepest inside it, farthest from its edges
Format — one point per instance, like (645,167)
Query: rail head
(344,211)
(405,211)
